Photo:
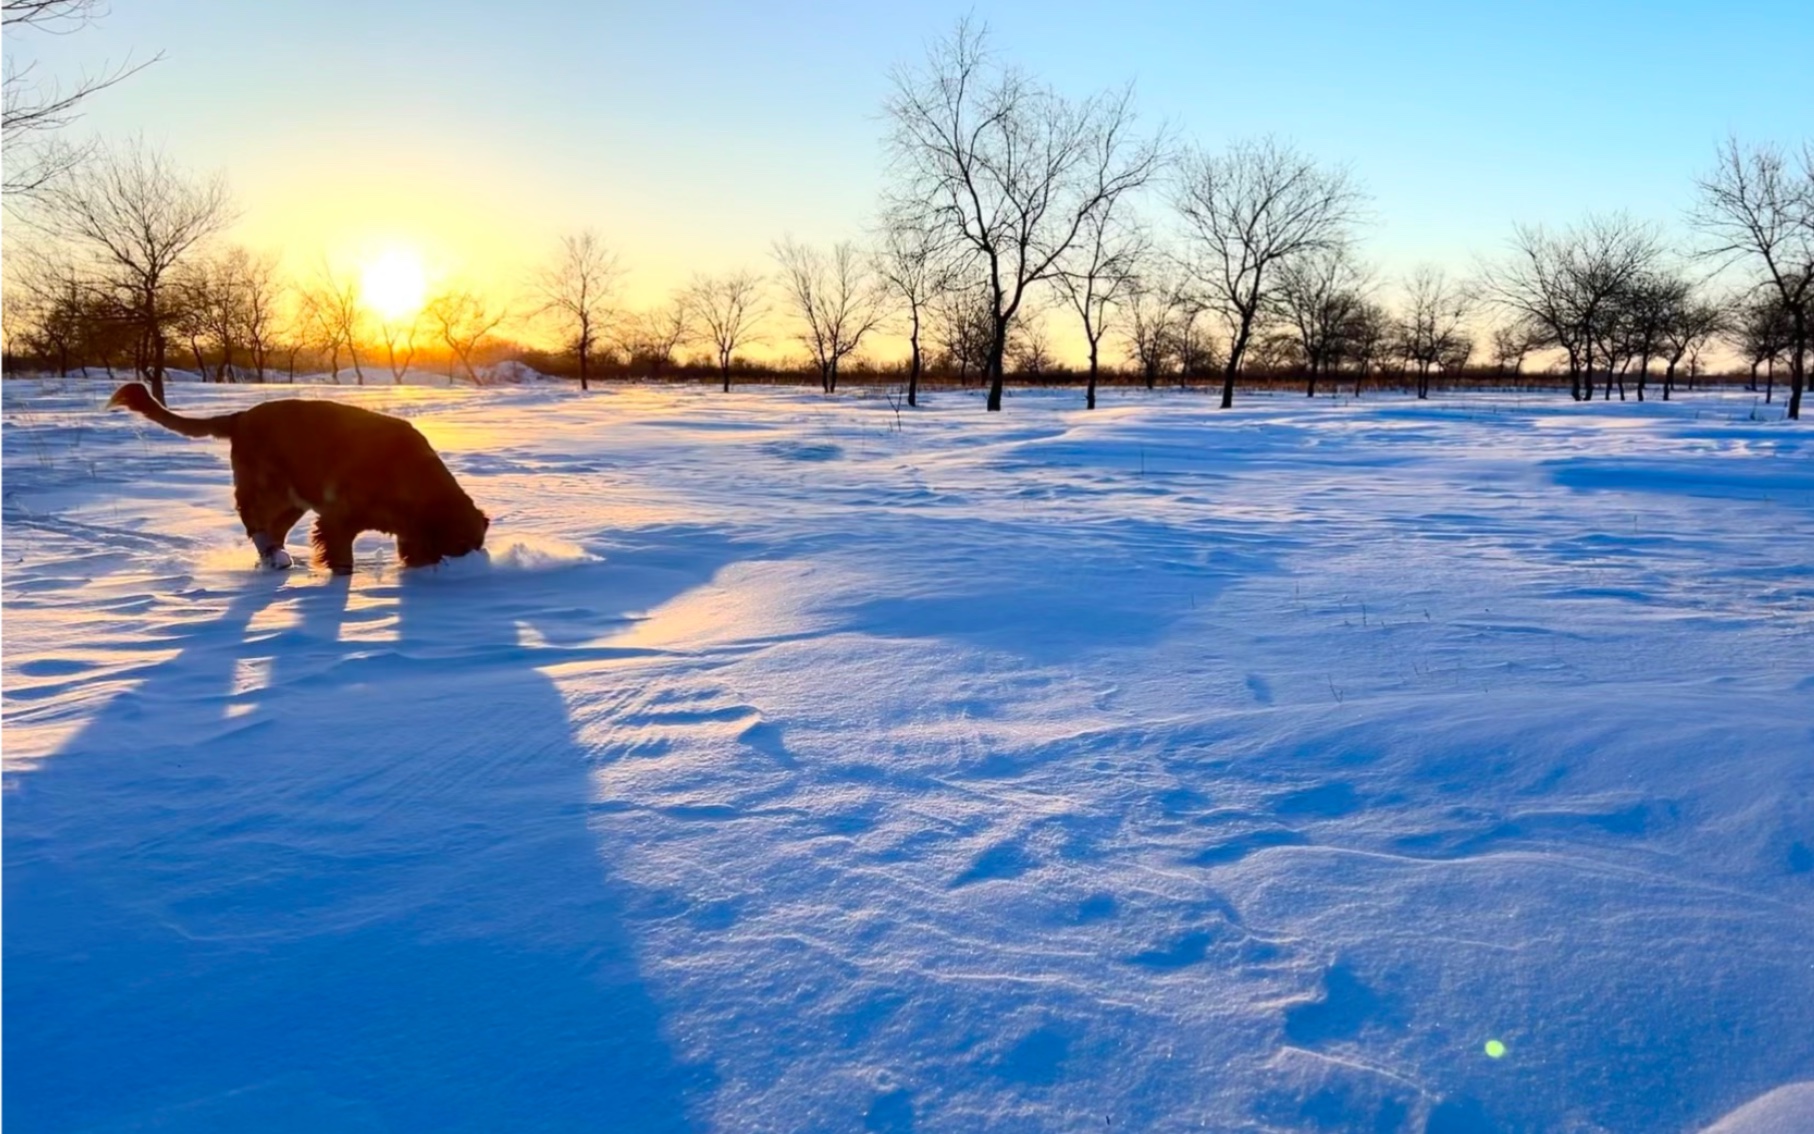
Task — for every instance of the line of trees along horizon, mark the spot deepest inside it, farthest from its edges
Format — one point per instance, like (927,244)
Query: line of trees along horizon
(1009,205)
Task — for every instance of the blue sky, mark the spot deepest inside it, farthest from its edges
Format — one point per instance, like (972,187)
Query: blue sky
(692,134)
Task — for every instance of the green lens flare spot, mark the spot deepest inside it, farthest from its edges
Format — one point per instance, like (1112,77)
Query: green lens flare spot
(1495,1049)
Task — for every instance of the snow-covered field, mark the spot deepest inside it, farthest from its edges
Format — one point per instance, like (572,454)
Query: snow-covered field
(793,766)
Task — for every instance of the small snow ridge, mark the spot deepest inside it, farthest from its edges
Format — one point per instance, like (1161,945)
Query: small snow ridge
(519,553)
(1786,1110)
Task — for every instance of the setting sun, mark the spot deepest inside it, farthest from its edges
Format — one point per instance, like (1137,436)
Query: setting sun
(394,284)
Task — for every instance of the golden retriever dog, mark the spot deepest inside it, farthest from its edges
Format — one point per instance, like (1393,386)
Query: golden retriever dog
(357,470)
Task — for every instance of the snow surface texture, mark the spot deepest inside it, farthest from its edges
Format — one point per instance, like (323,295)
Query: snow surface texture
(780,769)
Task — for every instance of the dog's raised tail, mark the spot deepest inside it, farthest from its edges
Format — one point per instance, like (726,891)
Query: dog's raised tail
(137,398)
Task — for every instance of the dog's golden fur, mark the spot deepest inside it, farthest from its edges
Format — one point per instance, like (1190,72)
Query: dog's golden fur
(357,470)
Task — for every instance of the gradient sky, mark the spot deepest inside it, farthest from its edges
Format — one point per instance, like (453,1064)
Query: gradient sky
(692,134)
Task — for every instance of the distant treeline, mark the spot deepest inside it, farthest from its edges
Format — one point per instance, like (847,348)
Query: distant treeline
(1009,206)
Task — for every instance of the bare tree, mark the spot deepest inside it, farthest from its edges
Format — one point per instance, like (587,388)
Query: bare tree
(1754,207)
(49,308)
(1457,351)
(1569,283)
(336,316)
(1365,337)
(1317,296)
(262,293)
(229,289)
(1689,324)
(399,333)
(727,310)
(651,337)
(1763,331)
(1098,276)
(315,331)
(1157,310)
(1198,353)
(463,319)
(1248,212)
(1006,169)
(295,335)
(1512,343)
(1643,314)
(33,112)
(915,266)
(836,298)
(965,328)
(577,290)
(188,312)
(1430,332)
(134,219)
(1272,350)
(1030,348)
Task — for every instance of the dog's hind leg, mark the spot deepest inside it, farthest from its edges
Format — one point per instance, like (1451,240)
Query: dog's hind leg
(333,545)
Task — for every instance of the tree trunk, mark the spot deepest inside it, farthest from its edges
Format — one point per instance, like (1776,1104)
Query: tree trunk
(582,367)
(998,351)
(1236,350)
(1770,381)
(914,362)
(157,364)
(1669,377)
(1090,396)
(724,368)
(1798,360)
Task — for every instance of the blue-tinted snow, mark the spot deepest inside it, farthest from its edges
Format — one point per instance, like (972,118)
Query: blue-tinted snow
(779,769)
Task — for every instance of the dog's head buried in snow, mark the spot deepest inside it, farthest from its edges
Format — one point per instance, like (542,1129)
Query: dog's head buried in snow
(355,469)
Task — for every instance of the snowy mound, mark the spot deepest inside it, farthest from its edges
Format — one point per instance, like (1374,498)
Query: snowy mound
(1786,1110)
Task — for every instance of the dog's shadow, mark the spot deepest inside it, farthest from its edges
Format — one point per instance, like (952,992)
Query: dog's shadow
(328,868)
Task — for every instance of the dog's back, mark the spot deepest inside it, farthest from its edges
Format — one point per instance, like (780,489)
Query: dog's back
(327,451)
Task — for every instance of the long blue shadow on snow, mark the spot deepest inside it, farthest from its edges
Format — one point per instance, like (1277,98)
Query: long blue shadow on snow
(363,898)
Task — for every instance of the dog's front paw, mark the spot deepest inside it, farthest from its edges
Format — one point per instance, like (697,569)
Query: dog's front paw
(278,560)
